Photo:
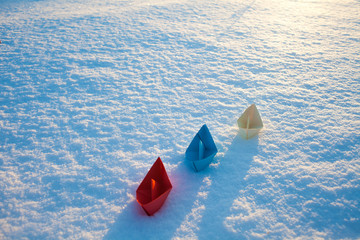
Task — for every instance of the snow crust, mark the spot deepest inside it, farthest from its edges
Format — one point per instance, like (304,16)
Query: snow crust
(93,91)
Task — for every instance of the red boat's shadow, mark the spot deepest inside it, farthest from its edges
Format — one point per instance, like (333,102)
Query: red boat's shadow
(134,223)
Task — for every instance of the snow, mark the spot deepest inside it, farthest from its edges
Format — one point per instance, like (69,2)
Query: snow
(92,92)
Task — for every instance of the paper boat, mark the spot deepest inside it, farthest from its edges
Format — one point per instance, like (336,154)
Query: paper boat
(201,150)
(250,122)
(154,189)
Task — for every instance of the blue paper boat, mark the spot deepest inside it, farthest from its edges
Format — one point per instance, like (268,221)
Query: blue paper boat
(201,150)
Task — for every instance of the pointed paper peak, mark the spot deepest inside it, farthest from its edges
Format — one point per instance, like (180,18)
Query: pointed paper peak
(158,160)
(158,163)
(204,127)
(252,107)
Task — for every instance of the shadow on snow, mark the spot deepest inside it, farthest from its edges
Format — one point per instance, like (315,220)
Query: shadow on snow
(226,182)
(133,223)
(223,185)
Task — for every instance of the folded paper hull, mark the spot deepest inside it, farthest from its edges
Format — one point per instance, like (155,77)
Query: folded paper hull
(153,206)
(248,133)
(200,164)
(250,122)
(154,189)
(201,150)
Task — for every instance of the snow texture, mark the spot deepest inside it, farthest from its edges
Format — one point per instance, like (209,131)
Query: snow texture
(93,91)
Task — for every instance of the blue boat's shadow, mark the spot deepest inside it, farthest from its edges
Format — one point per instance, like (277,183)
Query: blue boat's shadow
(226,182)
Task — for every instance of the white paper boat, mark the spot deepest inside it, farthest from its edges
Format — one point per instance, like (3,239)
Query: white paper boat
(250,122)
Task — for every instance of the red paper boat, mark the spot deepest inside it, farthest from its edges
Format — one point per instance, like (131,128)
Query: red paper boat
(154,189)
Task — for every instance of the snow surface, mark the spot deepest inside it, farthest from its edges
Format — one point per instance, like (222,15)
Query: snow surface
(93,91)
